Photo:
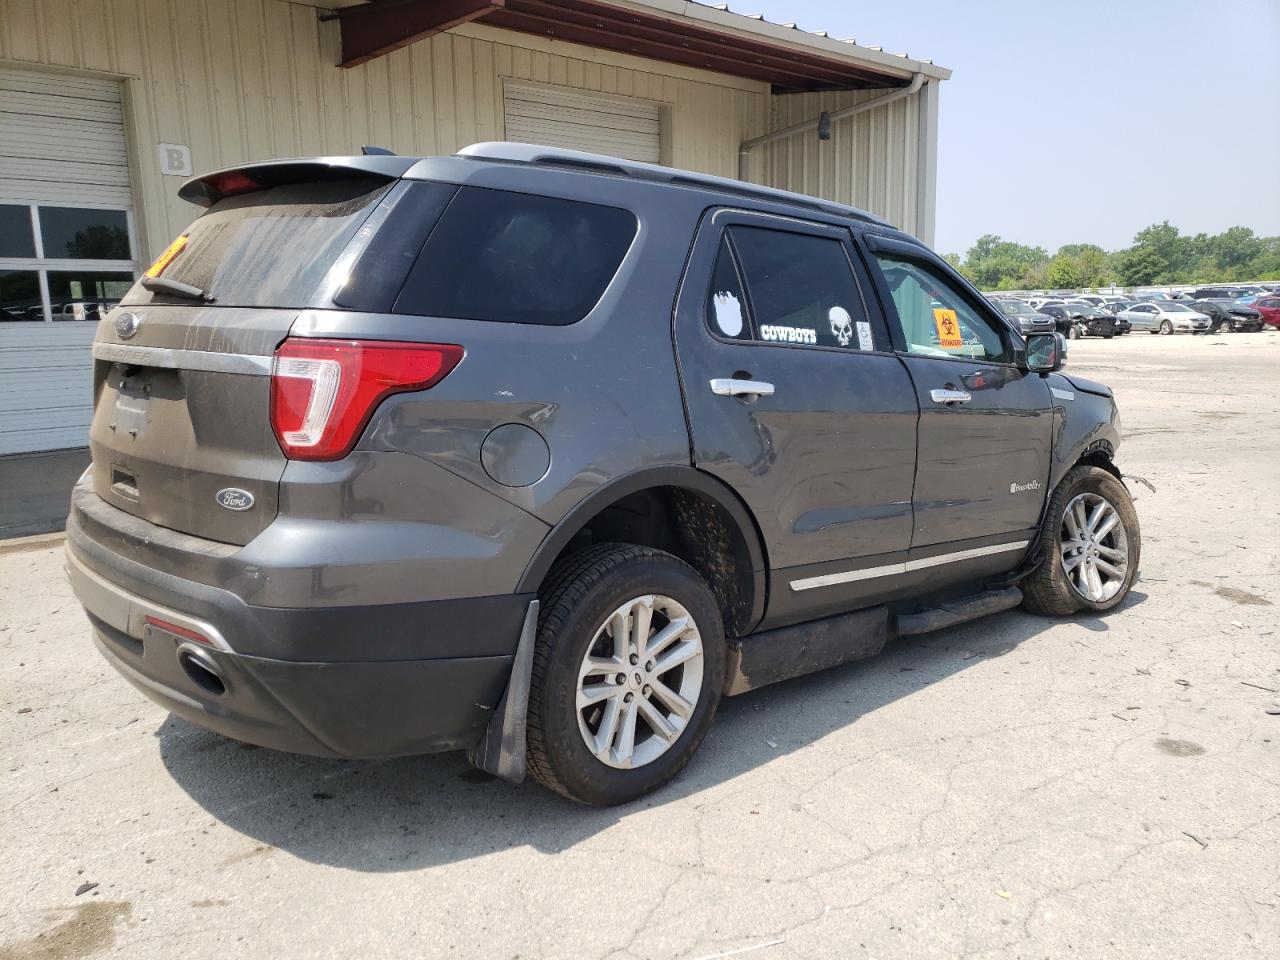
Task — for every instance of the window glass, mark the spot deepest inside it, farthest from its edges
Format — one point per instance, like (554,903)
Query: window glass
(935,319)
(272,247)
(79,234)
(726,306)
(518,258)
(15,232)
(86,294)
(20,295)
(801,289)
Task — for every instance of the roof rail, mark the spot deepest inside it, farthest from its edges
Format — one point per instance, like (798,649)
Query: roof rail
(599,163)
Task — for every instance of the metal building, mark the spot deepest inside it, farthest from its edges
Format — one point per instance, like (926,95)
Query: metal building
(106,106)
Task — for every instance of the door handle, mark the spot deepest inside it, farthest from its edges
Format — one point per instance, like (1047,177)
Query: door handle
(728,387)
(950,396)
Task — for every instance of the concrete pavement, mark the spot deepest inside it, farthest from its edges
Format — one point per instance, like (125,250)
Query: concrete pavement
(1017,787)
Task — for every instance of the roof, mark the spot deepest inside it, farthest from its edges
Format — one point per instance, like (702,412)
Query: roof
(672,31)
(536,154)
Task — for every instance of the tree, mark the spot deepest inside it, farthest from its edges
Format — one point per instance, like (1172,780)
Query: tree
(1139,266)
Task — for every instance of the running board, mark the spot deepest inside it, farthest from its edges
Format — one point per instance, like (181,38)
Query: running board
(788,652)
(957,611)
(776,655)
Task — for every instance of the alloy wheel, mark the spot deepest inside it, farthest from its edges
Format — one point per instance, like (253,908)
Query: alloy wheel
(639,682)
(1095,555)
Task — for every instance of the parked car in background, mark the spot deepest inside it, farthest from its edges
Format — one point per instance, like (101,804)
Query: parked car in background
(1027,320)
(1165,317)
(1090,298)
(1227,316)
(1269,307)
(1078,320)
(1117,306)
(1219,293)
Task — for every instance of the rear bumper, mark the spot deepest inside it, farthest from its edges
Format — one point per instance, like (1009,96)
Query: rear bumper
(325,706)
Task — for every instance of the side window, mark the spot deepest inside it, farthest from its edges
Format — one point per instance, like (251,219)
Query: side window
(801,289)
(726,306)
(518,258)
(935,319)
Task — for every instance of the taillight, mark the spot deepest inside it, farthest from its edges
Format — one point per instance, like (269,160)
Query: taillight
(323,392)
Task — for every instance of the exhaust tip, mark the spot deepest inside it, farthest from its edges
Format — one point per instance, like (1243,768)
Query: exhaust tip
(201,670)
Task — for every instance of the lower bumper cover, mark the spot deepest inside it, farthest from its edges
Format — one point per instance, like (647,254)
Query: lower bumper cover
(343,708)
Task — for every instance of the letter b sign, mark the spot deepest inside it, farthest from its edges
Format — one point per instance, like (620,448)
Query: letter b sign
(175,159)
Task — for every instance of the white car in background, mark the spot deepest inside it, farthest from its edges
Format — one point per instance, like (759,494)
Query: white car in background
(1165,316)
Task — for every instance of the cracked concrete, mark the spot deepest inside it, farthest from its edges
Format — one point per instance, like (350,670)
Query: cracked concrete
(1102,787)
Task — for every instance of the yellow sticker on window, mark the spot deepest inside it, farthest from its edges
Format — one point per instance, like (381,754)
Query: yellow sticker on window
(948,328)
(166,258)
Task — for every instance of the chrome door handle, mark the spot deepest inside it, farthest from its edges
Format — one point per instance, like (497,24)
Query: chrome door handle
(727,387)
(950,396)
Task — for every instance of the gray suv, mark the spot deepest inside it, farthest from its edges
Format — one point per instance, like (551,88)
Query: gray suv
(537,454)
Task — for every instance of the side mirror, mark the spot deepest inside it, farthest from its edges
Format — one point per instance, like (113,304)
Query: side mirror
(1046,352)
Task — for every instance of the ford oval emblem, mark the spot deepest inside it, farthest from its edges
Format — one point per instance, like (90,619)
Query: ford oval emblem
(127,325)
(233,498)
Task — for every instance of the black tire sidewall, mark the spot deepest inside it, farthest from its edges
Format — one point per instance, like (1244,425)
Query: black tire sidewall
(1099,481)
(578,772)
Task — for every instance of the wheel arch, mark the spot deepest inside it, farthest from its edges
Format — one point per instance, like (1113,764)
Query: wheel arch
(696,513)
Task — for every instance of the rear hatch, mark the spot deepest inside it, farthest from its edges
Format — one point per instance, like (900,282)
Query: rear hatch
(181,433)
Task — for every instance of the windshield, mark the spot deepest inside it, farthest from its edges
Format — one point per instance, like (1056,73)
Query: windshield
(1015,308)
(268,248)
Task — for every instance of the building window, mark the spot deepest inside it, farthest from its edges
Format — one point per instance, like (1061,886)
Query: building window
(64,263)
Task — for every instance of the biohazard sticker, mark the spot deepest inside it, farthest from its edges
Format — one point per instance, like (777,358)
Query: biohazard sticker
(788,334)
(728,314)
(948,328)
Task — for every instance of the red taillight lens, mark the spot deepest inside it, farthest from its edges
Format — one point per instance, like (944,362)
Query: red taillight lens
(232,182)
(323,392)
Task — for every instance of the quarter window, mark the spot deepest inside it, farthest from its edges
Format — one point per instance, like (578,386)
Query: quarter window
(801,289)
(935,319)
(517,257)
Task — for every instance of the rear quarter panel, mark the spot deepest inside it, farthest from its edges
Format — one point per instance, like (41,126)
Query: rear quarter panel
(602,393)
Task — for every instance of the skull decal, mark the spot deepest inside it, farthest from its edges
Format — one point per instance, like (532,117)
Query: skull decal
(841,324)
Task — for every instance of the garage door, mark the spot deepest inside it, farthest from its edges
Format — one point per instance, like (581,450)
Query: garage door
(67,248)
(624,127)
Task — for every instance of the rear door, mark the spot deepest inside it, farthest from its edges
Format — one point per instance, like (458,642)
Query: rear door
(985,433)
(796,401)
(181,433)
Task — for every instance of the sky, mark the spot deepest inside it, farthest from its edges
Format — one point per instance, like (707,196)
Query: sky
(1084,122)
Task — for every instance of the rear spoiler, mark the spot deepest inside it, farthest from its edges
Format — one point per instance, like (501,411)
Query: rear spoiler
(206,190)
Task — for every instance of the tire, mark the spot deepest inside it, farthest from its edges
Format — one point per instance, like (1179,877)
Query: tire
(582,596)
(1052,590)
(1166,328)
(1075,333)
(1107,336)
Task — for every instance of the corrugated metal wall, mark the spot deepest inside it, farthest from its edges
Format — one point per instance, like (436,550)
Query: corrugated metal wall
(250,79)
(871,161)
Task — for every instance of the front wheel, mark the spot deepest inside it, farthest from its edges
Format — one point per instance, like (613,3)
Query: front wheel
(1092,545)
(1166,328)
(1075,333)
(627,673)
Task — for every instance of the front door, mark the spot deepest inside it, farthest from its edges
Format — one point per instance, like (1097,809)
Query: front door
(796,400)
(985,435)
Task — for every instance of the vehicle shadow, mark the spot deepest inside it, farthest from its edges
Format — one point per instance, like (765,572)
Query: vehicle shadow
(407,814)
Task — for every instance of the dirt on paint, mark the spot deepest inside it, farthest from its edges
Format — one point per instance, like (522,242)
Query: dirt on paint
(87,929)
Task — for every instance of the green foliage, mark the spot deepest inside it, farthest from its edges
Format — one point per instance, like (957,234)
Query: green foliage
(1159,254)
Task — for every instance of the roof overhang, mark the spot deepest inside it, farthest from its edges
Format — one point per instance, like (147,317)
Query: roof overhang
(669,31)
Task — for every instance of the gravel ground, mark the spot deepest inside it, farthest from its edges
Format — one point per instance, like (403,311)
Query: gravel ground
(1101,787)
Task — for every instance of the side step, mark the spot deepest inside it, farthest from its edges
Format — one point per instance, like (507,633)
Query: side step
(957,611)
(776,655)
(787,652)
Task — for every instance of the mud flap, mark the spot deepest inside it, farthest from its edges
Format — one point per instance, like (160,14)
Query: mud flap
(501,750)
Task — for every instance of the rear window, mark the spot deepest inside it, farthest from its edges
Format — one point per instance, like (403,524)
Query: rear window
(269,248)
(518,258)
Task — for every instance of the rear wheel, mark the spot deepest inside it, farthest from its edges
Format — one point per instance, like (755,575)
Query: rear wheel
(1092,545)
(627,673)
(1166,327)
